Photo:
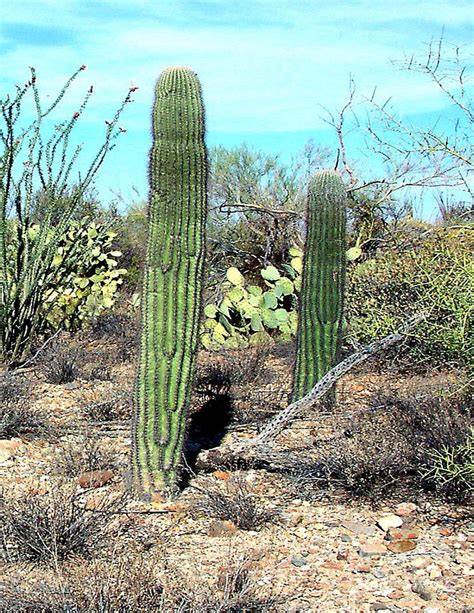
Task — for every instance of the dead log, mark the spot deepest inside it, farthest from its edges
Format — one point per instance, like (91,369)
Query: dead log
(257,450)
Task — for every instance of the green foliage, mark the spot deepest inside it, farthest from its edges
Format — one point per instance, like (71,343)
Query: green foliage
(171,299)
(451,469)
(435,274)
(93,279)
(253,314)
(323,279)
(31,264)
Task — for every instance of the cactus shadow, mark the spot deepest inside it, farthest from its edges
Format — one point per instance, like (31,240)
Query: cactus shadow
(206,428)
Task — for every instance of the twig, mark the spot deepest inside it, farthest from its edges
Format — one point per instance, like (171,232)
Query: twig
(43,346)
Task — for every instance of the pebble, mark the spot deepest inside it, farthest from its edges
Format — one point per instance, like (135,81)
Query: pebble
(389,521)
(95,478)
(357,527)
(221,528)
(372,549)
(401,534)
(401,546)
(299,561)
(404,509)
(418,587)
(378,574)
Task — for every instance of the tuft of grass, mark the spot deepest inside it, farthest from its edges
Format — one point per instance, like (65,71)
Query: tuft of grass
(83,455)
(62,362)
(234,501)
(53,527)
(17,418)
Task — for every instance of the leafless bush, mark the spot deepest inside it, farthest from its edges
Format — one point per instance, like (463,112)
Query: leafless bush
(62,362)
(17,418)
(83,455)
(385,449)
(49,528)
(117,406)
(234,501)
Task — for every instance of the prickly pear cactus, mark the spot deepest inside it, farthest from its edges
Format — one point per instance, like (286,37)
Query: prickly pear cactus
(322,289)
(172,285)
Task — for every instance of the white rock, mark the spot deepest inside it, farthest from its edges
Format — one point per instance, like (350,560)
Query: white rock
(389,521)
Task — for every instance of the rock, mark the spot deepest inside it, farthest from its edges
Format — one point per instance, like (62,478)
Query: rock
(418,587)
(362,568)
(404,509)
(95,478)
(401,546)
(396,595)
(420,562)
(378,574)
(222,475)
(389,521)
(345,538)
(299,561)
(221,528)
(357,527)
(380,607)
(401,534)
(9,447)
(372,549)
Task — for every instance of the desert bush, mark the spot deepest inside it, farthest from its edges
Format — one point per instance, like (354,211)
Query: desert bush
(433,274)
(35,260)
(131,585)
(83,455)
(384,449)
(450,470)
(62,362)
(17,418)
(50,528)
(110,407)
(233,501)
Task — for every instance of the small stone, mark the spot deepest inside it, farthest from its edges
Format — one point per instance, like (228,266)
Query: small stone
(331,565)
(362,568)
(420,562)
(401,534)
(342,555)
(378,574)
(446,531)
(380,607)
(221,528)
(345,538)
(372,549)
(95,478)
(389,521)
(401,546)
(396,595)
(299,561)
(222,475)
(404,509)
(421,589)
(358,527)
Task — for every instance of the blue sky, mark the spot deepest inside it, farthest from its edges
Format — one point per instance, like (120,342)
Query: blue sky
(266,66)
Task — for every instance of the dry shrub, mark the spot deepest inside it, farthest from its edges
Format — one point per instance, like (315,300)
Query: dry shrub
(385,448)
(131,585)
(83,455)
(50,528)
(17,418)
(233,501)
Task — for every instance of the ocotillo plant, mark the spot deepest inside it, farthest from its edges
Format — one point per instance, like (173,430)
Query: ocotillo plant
(171,297)
(322,289)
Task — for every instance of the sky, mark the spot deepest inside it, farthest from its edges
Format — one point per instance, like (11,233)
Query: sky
(267,67)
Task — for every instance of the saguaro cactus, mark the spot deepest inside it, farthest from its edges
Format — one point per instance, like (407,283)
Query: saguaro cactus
(322,289)
(171,298)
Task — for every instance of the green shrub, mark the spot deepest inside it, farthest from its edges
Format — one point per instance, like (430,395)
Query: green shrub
(252,314)
(452,469)
(435,274)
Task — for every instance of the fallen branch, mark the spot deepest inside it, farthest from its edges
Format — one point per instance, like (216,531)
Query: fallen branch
(277,424)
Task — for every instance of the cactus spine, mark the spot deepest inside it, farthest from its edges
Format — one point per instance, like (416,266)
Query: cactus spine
(322,289)
(171,298)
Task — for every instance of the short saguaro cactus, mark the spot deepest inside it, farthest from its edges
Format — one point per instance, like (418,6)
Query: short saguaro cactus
(322,288)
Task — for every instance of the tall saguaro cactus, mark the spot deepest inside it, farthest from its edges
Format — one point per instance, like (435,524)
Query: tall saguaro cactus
(171,298)
(322,289)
